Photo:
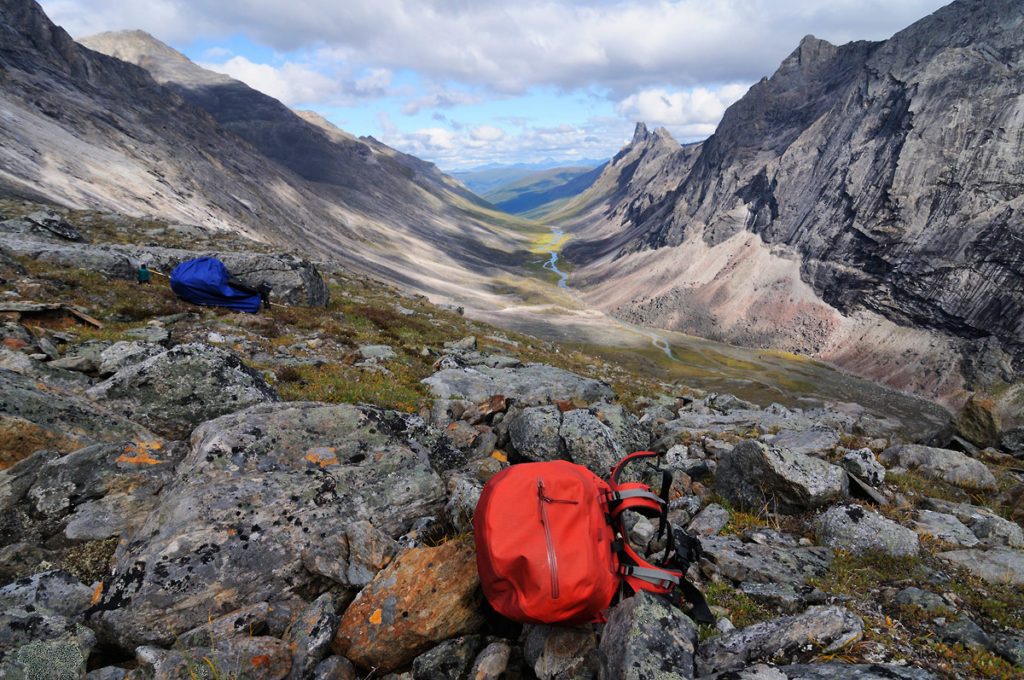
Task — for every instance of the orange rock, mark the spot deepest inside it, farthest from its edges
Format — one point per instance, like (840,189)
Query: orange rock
(425,596)
(19,438)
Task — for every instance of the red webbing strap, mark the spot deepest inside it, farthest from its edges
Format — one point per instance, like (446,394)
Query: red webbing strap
(613,479)
(637,497)
(642,575)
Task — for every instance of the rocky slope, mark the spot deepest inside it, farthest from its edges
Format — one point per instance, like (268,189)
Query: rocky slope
(90,131)
(863,204)
(196,493)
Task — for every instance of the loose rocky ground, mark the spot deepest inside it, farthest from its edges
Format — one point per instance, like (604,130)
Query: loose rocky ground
(193,493)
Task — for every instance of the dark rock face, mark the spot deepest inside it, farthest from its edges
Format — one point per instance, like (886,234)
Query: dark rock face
(889,170)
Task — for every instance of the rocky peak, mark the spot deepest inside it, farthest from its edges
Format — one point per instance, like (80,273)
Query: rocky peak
(640,134)
(874,164)
(163,62)
(813,49)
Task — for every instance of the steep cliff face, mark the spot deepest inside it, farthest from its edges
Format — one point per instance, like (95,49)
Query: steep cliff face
(888,177)
(89,130)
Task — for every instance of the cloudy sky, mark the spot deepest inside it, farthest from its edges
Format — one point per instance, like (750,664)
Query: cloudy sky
(466,82)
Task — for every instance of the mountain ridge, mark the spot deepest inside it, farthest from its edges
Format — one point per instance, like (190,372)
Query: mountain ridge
(88,130)
(833,175)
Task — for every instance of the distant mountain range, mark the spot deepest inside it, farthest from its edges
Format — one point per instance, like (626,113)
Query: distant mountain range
(527,191)
(151,133)
(865,204)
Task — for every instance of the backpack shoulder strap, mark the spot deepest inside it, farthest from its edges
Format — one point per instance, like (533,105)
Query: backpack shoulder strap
(639,574)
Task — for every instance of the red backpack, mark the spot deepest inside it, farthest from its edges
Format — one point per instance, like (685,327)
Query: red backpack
(551,546)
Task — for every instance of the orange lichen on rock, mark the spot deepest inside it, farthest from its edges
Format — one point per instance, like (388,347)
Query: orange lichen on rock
(97,594)
(322,456)
(140,453)
(260,661)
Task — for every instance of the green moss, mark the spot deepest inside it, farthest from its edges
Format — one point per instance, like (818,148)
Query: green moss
(857,575)
(743,611)
(336,383)
(963,661)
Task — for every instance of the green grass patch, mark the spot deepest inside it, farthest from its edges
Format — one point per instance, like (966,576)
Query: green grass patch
(339,384)
(743,610)
(856,575)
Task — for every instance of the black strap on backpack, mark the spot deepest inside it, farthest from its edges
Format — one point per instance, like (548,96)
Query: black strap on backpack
(681,549)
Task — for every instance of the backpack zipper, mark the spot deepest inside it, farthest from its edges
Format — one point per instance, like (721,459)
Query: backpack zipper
(542,501)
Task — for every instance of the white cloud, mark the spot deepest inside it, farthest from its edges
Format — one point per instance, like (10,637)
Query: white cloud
(376,81)
(487,133)
(472,146)
(293,84)
(688,114)
(440,99)
(622,46)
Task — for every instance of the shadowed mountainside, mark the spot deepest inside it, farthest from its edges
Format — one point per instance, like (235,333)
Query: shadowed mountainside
(90,131)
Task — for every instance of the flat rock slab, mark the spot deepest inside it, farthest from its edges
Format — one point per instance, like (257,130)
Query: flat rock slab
(828,628)
(950,466)
(998,565)
(175,391)
(425,596)
(34,416)
(530,385)
(944,527)
(262,496)
(816,441)
(825,671)
(741,561)
(756,476)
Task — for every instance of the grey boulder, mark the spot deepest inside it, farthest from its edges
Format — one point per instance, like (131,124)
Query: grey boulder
(53,591)
(825,671)
(998,565)
(560,653)
(756,476)
(864,464)
(646,637)
(949,466)
(589,442)
(944,527)
(534,433)
(856,530)
(739,561)
(529,385)
(261,494)
(175,391)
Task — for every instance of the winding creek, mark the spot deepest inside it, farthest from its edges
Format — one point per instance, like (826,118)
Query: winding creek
(557,236)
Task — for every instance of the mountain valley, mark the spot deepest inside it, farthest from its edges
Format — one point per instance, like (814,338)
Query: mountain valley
(813,320)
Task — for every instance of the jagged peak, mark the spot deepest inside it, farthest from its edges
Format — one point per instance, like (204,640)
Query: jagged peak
(813,49)
(664,135)
(640,134)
